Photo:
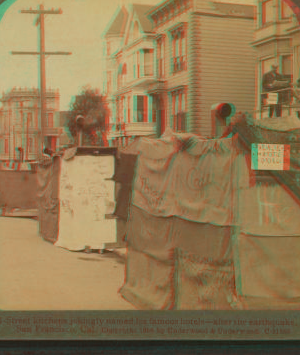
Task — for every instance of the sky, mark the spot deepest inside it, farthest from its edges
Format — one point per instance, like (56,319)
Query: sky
(77,30)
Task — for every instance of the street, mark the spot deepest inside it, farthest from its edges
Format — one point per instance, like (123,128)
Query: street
(36,275)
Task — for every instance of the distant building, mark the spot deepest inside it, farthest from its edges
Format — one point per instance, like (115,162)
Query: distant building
(19,124)
(276,40)
(165,66)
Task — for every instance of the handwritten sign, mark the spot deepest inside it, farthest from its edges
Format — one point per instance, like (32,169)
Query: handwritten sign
(86,197)
(270,156)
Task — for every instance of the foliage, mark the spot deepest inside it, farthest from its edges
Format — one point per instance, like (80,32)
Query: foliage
(92,106)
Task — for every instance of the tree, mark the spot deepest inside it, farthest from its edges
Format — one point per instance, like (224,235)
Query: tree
(92,106)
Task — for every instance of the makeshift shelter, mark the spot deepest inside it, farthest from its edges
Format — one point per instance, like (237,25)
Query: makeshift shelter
(267,241)
(196,237)
(76,194)
(181,209)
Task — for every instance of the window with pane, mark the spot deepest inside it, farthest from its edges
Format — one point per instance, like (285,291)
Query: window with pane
(50,119)
(156,107)
(266,65)
(128,108)
(148,62)
(124,74)
(30,145)
(29,119)
(137,65)
(178,98)
(142,108)
(160,57)
(285,11)
(267,7)
(178,49)
(120,109)
(6,146)
(108,81)
(286,64)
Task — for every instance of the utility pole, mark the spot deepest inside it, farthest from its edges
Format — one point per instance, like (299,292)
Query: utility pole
(40,21)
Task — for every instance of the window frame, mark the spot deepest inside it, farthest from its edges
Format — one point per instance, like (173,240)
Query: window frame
(144,116)
(29,118)
(263,13)
(178,109)
(283,5)
(6,146)
(50,118)
(160,57)
(178,38)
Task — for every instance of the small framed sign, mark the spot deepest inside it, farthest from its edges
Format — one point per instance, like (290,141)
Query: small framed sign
(272,98)
(270,156)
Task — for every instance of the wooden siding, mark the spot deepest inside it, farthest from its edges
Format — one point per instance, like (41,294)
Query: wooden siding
(173,80)
(266,49)
(284,46)
(195,123)
(222,67)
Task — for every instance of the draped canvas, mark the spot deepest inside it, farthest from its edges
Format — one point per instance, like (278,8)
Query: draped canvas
(268,267)
(150,261)
(267,209)
(153,281)
(48,199)
(198,201)
(204,283)
(194,184)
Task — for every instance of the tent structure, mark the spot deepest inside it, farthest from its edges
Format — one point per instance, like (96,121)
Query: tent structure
(205,233)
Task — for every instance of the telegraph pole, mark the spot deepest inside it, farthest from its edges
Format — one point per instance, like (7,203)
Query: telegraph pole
(40,21)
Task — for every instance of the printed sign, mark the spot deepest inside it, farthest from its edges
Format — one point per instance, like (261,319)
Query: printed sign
(270,156)
(272,98)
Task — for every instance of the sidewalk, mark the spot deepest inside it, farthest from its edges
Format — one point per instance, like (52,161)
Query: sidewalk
(36,275)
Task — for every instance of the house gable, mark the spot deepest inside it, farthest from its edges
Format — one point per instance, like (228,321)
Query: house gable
(117,25)
(138,24)
(134,30)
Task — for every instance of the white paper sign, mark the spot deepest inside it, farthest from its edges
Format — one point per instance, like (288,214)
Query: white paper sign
(272,98)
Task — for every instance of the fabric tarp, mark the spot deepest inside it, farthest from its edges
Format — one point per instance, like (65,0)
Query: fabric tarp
(150,261)
(204,283)
(48,198)
(195,184)
(267,266)
(150,269)
(124,176)
(268,209)
(86,196)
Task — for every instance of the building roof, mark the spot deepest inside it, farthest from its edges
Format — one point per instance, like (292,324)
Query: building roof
(27,92)
(230,9)
(235,9)
(117,26)
(141,12)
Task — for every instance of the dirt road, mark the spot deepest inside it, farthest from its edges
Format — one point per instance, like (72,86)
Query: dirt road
(36,275)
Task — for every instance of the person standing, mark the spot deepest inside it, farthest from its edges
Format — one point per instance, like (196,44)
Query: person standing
(269,84)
